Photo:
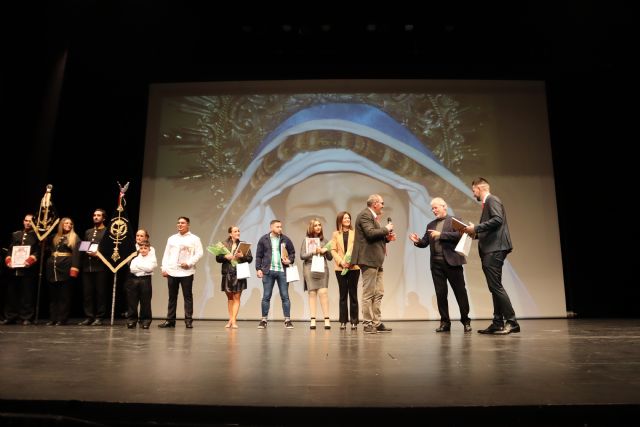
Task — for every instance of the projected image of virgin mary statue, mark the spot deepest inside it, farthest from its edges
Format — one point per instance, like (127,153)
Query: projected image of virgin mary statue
(329,157)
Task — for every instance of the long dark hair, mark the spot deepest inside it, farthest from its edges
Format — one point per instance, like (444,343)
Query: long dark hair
(340,218)
(229,230)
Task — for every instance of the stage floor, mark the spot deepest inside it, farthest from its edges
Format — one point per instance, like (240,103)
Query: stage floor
(553,362)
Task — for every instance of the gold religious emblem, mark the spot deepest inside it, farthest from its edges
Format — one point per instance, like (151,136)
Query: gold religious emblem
(118,232)
(46,219)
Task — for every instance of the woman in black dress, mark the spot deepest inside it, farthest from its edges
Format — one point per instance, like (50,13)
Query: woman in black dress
(231,285)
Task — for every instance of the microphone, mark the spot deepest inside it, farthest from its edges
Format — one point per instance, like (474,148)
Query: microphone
(390,237)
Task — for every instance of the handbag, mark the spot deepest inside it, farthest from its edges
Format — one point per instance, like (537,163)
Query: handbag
(317,264)
(243,271)
(292,273)
(464,245)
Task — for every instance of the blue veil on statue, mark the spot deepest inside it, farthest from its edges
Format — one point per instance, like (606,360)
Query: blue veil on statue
(358,138)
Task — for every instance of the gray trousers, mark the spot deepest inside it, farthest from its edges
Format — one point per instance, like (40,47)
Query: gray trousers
(372,293)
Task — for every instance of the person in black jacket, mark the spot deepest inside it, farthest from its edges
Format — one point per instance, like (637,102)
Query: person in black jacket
(95,274)
(231,285)
(271,269)
(62,268)
(21,289)
(446,264)
(494,244)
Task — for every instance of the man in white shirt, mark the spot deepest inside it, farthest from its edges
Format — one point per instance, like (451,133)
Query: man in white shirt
(183,251)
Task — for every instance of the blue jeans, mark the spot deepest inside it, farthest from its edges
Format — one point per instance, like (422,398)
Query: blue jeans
(268,281)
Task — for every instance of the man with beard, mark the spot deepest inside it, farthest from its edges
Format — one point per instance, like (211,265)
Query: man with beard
(95,274)
(21,288)
(494,244)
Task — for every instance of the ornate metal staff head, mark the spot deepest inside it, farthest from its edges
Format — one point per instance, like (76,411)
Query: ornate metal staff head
(121,200)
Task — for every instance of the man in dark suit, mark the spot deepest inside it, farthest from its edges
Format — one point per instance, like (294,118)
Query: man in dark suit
(369,251)
(446,264)
(494,244)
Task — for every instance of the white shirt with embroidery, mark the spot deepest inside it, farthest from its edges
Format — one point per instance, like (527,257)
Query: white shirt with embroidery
(185,247)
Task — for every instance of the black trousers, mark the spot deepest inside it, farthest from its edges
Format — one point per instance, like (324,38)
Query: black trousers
(95,294)
(139,293)
(492,263)
(348,286)
(21,297)
(59,301)
(187,293)
(441,272)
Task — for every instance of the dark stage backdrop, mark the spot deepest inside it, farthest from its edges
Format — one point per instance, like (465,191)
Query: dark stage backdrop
(74,96)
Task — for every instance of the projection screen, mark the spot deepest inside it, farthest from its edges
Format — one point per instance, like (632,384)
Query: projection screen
(244,153)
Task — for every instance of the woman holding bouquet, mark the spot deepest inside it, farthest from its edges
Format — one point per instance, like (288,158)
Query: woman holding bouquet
(346,273)
(315,282)
(229,256)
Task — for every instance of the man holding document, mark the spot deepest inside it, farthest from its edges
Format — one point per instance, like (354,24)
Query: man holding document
(183,251)
(443,235)
(22,263)
(274,254)
(494,243)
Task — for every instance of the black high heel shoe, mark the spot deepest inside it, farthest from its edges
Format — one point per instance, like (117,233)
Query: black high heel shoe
(343,326)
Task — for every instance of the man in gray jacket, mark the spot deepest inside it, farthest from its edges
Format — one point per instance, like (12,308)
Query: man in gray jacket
(369,251)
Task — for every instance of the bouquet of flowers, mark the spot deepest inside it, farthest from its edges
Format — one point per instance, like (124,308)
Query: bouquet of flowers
(327,246)
(347,258)
(220,249)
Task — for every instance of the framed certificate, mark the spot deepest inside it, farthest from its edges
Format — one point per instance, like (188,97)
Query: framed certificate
(313,243)
(184,255)
(243,247)
(19,255)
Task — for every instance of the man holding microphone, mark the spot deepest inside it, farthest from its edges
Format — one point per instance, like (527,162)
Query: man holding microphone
(369,251)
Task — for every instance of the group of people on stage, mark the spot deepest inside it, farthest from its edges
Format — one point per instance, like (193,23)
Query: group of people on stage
(66,256)
(361,250)
(356,249)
